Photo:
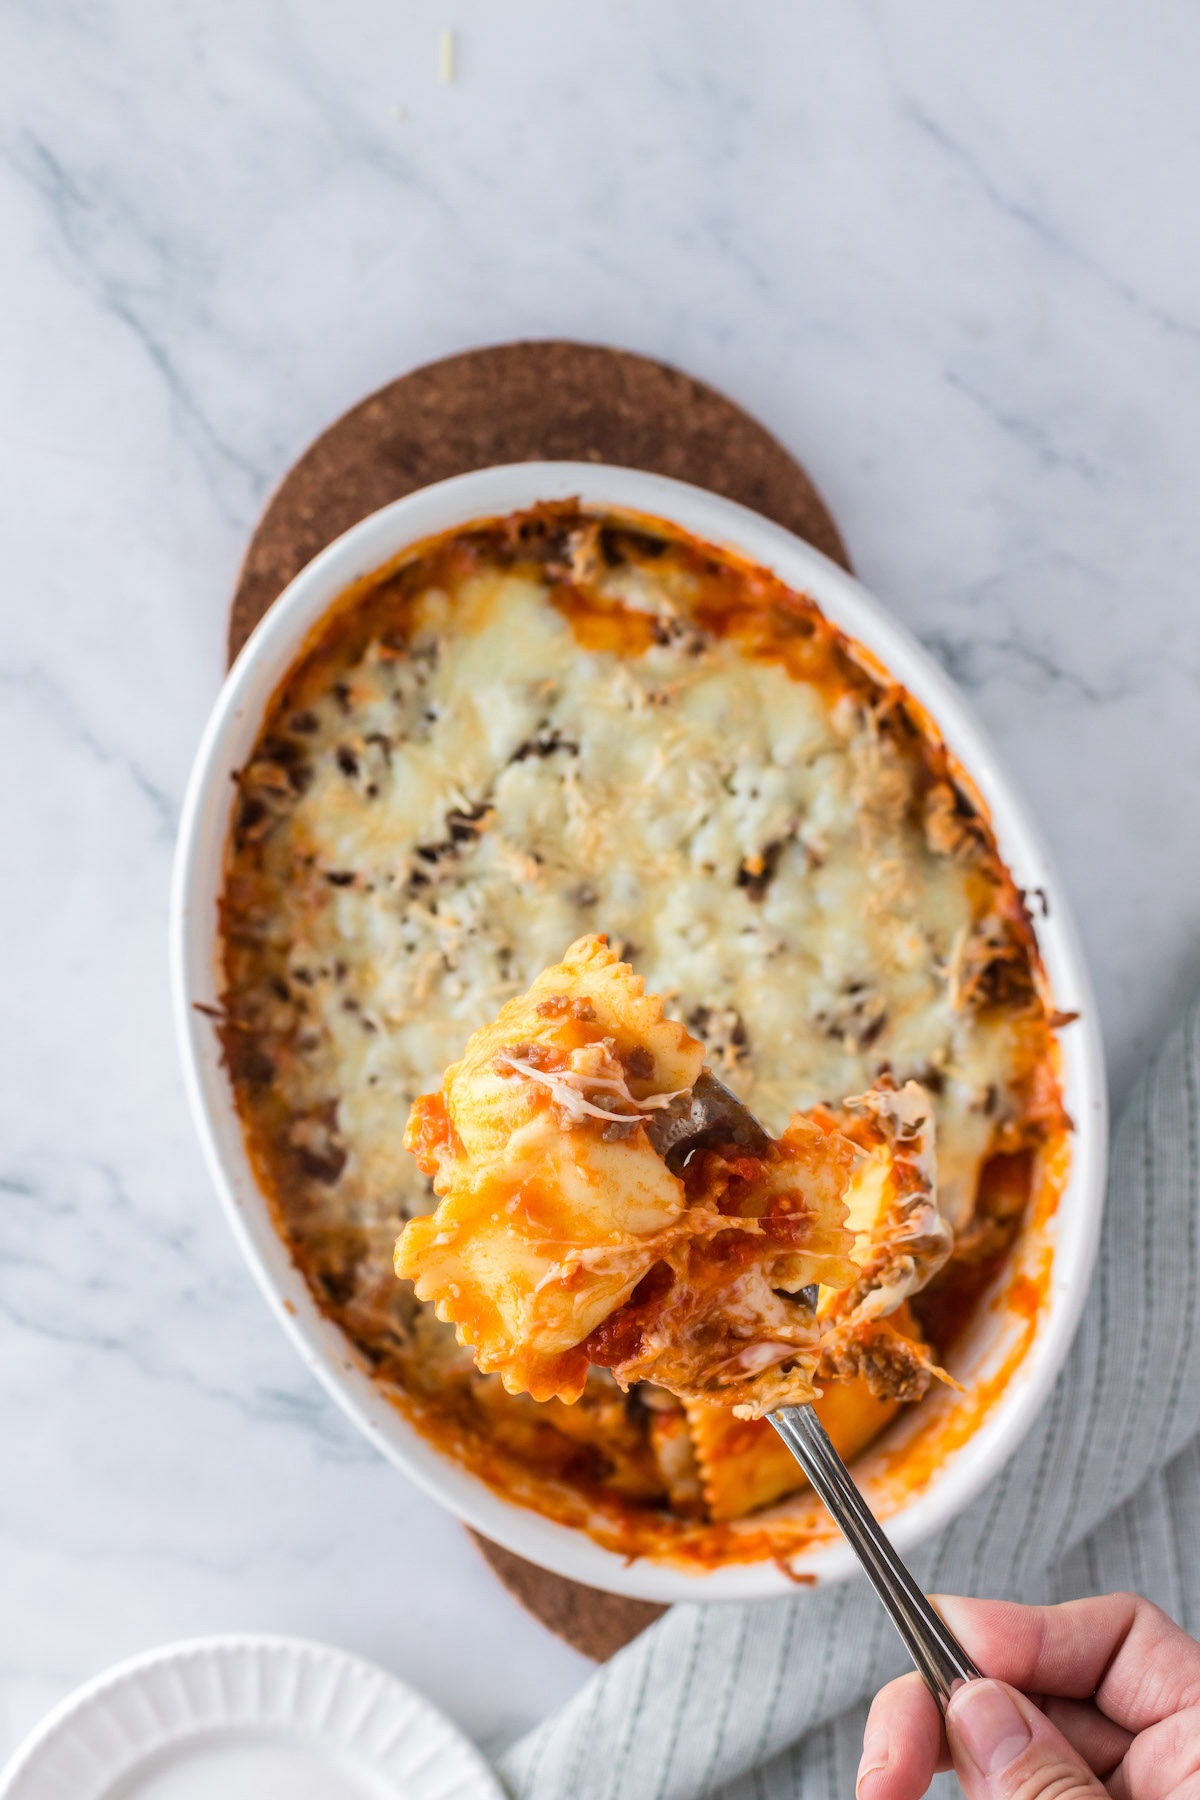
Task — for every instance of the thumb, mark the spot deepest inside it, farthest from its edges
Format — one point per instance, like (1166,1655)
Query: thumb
(1005,1749)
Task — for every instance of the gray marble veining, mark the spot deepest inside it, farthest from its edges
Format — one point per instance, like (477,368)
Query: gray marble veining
(945,253)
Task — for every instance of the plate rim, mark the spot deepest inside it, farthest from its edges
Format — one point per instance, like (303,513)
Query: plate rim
(472,1779)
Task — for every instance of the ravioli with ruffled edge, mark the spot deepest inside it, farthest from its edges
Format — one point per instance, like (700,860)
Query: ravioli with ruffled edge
(562,1238)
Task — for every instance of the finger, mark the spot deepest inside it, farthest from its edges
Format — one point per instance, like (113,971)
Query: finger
(1100,1743)
(1005,1749)
(1120,1649)
(1161,1761)
(1190,1790)
(903,1744)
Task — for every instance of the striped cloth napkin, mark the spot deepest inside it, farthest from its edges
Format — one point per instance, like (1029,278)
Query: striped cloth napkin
(767,1701)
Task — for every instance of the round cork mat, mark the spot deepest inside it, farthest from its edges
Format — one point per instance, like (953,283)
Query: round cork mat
(527,402)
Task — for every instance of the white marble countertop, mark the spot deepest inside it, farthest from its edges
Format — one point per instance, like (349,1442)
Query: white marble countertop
(946,253)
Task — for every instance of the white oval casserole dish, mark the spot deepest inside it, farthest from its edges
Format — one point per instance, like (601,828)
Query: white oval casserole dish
(195,953)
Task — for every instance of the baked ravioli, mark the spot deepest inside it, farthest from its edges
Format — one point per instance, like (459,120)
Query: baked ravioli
(562,1237)
(555,723)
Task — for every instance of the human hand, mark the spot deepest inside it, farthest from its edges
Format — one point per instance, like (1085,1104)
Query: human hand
(1118,1685)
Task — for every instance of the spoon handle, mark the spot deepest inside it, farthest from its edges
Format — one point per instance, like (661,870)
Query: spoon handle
(935,1650)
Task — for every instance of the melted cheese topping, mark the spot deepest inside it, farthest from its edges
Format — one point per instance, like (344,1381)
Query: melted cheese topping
(650,786)
(552,723)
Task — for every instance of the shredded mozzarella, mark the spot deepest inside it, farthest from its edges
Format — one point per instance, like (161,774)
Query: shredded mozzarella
(567,1091)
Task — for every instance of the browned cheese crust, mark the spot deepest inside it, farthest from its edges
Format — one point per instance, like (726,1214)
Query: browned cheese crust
(554,724)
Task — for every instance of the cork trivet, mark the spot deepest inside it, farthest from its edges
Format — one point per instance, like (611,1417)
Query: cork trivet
(590,1620)
(538,402)
(534,402)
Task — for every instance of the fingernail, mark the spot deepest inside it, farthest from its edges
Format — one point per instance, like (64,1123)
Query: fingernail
(874,1761)
(986,1723)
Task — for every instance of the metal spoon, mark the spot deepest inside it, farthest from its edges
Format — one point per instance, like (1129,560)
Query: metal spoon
(711,1114)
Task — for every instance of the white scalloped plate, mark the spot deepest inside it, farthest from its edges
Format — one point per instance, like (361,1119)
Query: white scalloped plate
(247,1718)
